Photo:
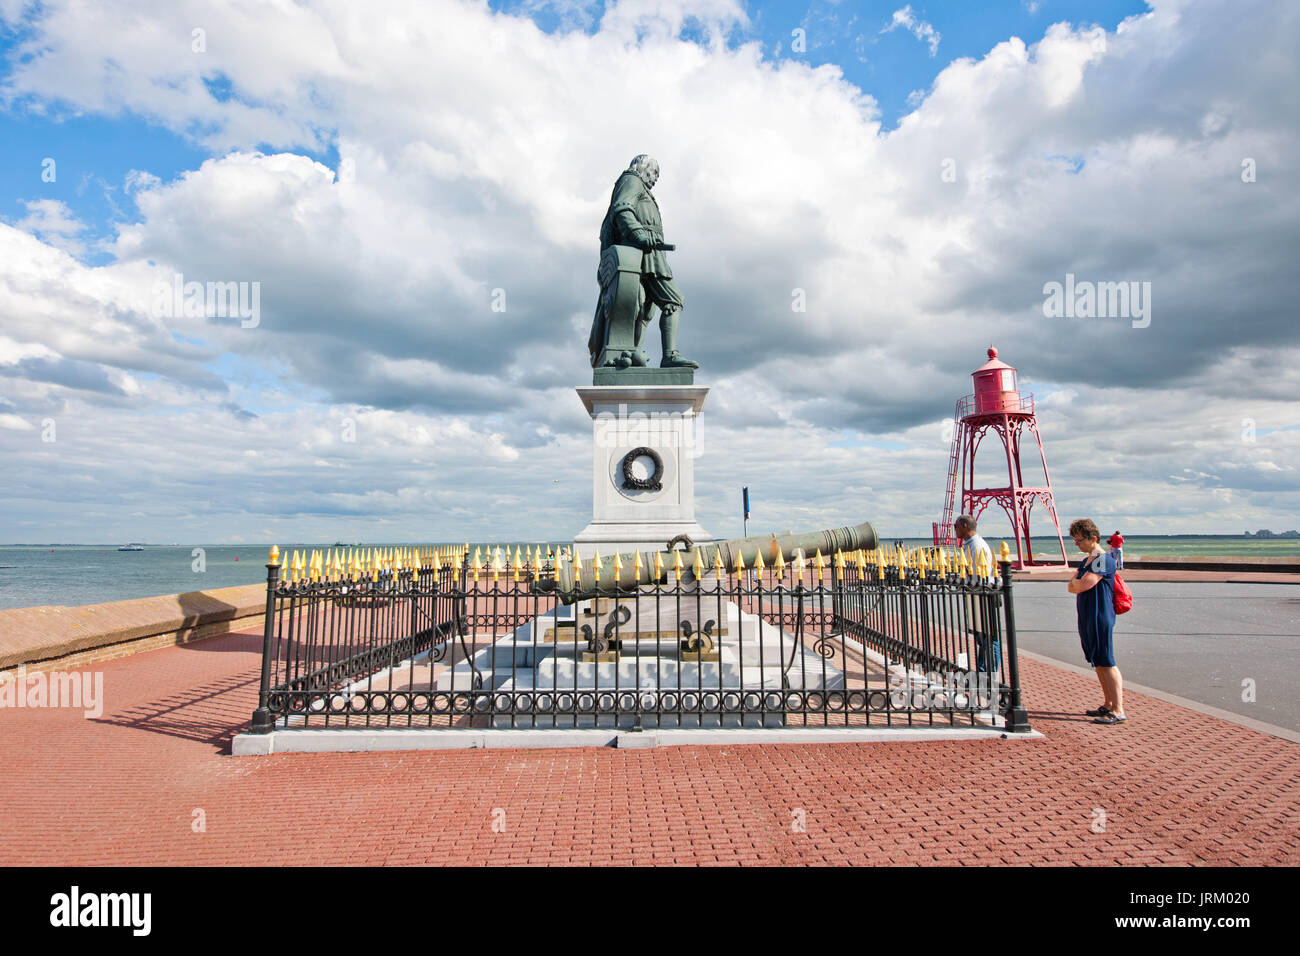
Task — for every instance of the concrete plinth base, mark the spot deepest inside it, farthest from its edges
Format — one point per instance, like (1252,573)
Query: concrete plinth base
(645,439)
(351,741)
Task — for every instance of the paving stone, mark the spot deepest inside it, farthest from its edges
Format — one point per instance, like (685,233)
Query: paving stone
(1177,788)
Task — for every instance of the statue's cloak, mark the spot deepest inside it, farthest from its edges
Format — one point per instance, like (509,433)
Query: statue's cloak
(633,208)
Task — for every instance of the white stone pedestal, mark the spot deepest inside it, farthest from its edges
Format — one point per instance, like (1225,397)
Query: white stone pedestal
(665,421)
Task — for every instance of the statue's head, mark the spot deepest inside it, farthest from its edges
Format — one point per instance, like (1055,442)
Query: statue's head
(645,167)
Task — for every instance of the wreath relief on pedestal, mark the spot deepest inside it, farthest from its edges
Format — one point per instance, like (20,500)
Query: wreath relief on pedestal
(631,481)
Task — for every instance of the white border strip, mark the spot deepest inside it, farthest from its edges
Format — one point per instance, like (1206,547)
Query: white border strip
(364,739)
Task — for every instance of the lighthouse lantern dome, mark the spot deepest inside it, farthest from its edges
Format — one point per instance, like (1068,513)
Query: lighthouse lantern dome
(995,386)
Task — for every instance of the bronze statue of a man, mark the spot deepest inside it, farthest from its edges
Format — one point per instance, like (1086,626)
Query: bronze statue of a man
(634,276)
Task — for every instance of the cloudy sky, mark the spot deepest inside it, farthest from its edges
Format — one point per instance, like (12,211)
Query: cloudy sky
(387,172)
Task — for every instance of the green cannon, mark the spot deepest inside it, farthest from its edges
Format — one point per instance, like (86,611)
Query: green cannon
(631,574)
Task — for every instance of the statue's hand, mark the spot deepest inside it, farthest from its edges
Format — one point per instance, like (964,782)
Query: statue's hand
(645,241)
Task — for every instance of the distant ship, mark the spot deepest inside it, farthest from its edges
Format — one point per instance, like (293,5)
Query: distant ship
(131,547)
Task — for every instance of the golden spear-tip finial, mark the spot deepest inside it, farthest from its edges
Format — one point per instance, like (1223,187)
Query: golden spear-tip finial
(759,566)
(274,556)
(820,564)
(697,567)
(677,565)
(779,564)
(1004,552)
(636,564)
(595,565)
(740,562)
(618,569)
(718,568)
(659,566)
(799,564)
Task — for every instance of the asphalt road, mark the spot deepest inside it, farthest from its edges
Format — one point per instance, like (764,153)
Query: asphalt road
(1198,640)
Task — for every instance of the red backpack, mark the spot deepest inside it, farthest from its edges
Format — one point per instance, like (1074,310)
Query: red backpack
(1122,596)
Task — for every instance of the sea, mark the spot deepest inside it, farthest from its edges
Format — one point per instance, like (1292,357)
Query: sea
(63,574)
(73,574)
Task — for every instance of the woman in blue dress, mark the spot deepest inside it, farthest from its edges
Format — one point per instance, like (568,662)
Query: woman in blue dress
(1094,588)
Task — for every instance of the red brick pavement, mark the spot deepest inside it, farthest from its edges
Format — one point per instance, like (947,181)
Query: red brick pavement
(1176,787)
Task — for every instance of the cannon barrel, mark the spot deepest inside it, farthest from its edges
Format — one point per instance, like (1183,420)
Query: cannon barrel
(748,549)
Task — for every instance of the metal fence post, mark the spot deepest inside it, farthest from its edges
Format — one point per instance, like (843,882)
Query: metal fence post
(262,722)
(1017,718)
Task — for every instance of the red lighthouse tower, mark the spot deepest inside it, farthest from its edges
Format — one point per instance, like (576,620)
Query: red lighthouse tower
(997,407)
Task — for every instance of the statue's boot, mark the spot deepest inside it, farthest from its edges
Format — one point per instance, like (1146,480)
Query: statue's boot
(668,336)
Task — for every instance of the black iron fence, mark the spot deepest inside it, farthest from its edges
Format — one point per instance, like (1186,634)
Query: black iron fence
(407,640)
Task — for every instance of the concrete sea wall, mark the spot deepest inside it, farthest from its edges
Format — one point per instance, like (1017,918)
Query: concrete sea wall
(50,638)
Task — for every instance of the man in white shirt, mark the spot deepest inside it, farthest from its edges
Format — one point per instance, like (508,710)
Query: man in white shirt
(988,653)
(973,544)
